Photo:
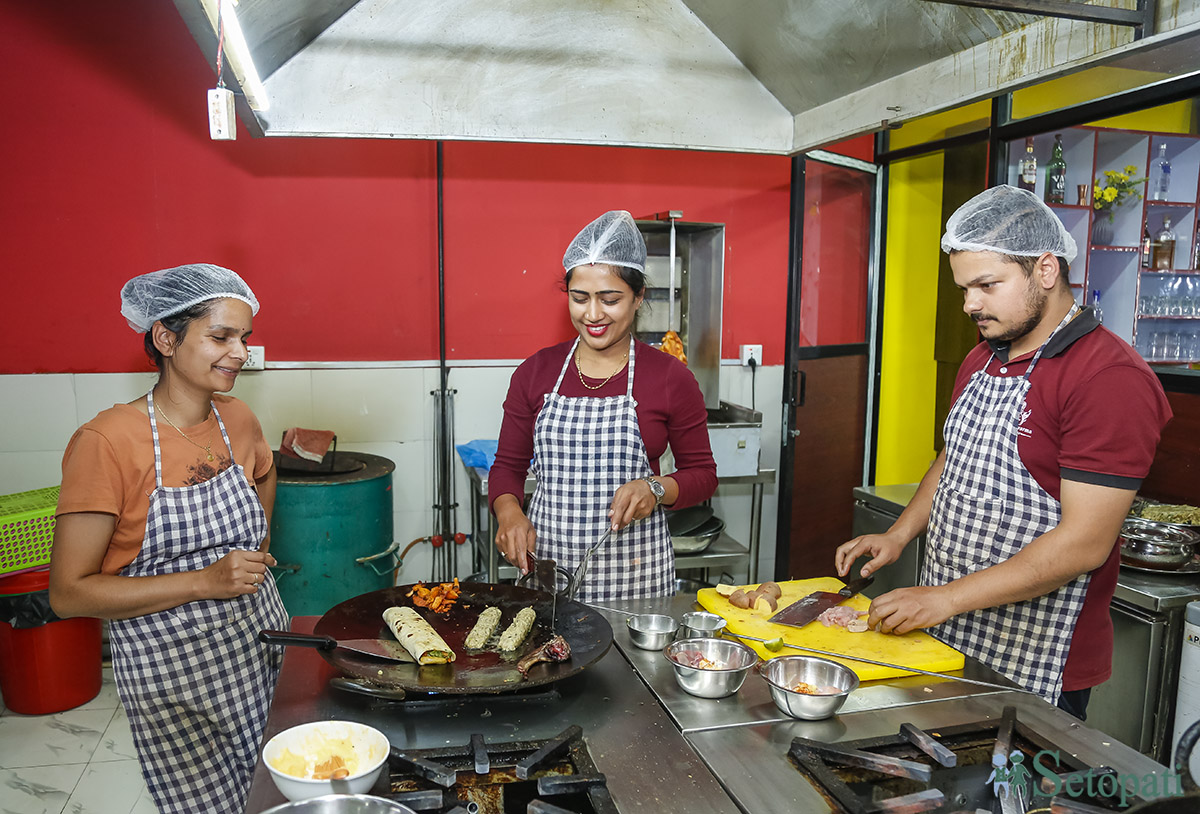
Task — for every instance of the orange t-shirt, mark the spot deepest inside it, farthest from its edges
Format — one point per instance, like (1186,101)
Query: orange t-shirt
(109,466)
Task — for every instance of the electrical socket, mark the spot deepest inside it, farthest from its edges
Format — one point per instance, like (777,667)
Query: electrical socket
(256,357)
(222,120)
(749,352)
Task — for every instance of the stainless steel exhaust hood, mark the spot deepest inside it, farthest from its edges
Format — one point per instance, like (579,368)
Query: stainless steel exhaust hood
(759,76)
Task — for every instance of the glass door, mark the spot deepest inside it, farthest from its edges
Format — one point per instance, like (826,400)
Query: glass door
(828,389)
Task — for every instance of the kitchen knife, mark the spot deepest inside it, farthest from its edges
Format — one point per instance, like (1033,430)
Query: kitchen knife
(375,648)
(803,611)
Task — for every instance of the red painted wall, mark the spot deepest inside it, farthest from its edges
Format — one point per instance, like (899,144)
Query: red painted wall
(109,172)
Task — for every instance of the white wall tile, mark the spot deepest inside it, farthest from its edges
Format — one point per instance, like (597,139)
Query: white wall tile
(372,404)
(95,392)
(22,471)
(280,398)
(479,402)
(37,412)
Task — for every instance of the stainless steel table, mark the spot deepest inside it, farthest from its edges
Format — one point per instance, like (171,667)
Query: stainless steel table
(744,739)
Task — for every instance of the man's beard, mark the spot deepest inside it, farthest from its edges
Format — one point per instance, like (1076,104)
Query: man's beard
(1035,305)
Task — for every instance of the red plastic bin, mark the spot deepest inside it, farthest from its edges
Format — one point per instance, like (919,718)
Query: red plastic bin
(50,668)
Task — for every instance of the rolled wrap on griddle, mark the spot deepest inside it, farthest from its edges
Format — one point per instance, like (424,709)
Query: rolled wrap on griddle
(417,636)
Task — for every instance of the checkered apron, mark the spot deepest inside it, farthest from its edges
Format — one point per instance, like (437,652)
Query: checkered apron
(986,508)
(194,680)
(583,450)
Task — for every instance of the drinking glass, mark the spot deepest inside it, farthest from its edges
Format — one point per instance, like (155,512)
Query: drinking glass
(1158,345)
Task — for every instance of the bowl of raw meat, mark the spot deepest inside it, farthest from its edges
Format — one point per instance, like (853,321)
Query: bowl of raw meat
(808,687)
(710,668)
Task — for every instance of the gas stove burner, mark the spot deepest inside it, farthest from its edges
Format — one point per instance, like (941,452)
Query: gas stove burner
(556,776)
(953,769)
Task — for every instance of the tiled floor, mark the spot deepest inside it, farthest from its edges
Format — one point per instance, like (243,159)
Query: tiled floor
(80,761)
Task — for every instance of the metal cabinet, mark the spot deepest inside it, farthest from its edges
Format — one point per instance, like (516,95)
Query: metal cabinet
(873,515)
(1127,706)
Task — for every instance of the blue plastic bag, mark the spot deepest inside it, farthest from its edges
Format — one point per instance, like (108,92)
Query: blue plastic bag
(480,454)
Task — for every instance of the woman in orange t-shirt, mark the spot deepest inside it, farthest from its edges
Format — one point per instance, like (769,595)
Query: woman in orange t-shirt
(162,527)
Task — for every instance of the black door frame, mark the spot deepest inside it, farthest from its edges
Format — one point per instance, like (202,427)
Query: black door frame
(794,354)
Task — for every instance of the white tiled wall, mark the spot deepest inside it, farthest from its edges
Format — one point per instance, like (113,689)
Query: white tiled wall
(381,411)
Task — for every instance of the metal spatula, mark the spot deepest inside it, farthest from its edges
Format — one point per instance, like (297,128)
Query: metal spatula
(375,648)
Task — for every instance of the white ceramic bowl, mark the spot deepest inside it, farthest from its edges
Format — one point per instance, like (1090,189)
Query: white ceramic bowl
(369,744)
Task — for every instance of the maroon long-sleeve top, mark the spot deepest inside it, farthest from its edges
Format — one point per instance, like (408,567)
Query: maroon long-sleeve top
(670,410)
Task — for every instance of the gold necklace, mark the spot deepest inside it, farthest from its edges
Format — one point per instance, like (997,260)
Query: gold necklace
(206,447)
(579,370)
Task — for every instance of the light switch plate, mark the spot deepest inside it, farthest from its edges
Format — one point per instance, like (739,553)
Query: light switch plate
(256,357)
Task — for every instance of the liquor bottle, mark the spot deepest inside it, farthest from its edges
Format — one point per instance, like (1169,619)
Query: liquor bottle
(1096,309)
(1160,176)
(1147,242)
(1027,167)
(1056,174)
(1164,248)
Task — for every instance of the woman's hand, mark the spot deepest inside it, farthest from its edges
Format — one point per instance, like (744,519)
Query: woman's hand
(238,572)
(515,535)
(635,500)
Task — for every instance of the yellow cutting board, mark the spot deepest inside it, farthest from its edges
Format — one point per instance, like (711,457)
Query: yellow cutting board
(916,649)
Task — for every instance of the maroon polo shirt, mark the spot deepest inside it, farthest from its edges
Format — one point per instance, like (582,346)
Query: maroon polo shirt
(1093,414)
(670,410)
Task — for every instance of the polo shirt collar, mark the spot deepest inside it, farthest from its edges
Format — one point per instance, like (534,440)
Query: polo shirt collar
(1084,323)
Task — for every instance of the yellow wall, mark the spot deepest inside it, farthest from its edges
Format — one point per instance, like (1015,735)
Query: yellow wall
(1056,94)
(904,446)
(904,443)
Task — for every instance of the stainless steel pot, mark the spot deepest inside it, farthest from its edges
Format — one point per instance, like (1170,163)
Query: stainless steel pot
(1149,544)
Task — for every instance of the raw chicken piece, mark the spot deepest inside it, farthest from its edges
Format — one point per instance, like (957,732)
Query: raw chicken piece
(840,616)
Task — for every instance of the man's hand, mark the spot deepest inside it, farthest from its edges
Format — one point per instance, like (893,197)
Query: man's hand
(883,549)
(908,609)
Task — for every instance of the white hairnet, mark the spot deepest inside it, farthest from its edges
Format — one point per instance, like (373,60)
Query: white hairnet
(148,298)
(1008,220)
(612,238)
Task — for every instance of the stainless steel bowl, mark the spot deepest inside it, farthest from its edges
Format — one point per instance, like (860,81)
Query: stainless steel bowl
(1150,544)
(651,631)
(701,625)
(342,804)
(735,661)
(785,672)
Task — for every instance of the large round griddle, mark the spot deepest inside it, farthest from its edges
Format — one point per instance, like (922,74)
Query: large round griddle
(487,671)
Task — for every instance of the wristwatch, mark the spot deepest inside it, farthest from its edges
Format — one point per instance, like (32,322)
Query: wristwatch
(657,488)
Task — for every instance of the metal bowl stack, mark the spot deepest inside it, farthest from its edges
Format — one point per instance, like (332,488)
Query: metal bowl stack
(1157,546)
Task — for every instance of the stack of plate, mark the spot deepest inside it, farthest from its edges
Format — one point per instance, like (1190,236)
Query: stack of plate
(693,529)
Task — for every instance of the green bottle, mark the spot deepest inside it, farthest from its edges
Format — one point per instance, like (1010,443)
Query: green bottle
(1056,174)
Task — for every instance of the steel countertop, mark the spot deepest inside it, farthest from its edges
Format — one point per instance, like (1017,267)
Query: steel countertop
(744,738)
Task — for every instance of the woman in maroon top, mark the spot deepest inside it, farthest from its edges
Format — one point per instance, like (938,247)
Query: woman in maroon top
(594,415)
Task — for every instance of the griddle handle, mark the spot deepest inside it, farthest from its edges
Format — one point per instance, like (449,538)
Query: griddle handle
(288,639)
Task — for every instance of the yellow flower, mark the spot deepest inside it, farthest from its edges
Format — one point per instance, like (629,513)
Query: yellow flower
(1131,169)
(1110,194)
(1122,177)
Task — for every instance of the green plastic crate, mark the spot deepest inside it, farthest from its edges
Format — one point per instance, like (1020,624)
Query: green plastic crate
(26,529)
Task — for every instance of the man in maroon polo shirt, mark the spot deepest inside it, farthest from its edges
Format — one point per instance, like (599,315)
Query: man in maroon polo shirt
(1054,423)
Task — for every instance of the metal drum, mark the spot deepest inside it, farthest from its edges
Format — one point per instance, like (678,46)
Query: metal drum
(331,531)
